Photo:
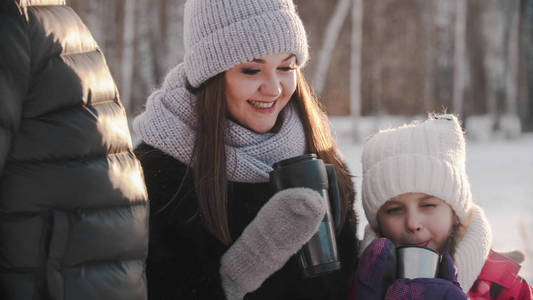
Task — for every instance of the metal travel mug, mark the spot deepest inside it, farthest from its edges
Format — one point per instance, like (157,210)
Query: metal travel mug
(417,262)
(319,255)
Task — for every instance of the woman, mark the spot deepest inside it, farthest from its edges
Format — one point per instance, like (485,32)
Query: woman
(236,105)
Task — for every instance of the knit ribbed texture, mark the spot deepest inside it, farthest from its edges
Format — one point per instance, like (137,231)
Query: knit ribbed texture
(169,123)
(282,226)
(426,157)
(473,249)
(220,34)
(232,290)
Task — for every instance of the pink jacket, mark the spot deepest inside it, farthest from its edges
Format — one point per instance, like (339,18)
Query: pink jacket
(499,280)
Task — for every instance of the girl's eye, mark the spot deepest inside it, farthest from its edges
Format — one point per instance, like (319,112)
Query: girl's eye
(287,69)
(393,210)
(249,71)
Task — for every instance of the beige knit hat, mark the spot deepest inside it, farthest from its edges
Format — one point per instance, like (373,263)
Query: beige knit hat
(426,157)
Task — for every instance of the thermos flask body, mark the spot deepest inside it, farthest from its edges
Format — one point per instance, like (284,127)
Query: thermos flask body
(417,262)
(319,255)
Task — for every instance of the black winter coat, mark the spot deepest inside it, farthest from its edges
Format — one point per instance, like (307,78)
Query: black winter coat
(184,259)
(73,205)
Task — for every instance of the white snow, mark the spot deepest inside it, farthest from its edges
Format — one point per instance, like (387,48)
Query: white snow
(501,176)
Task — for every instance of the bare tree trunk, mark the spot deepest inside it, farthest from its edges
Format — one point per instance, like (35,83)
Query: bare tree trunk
(377,66)
(146,57)
(460,64)
(175,48)
(94,22)
(330,38)
(445,11)
(355,65)
(494,61)
(526,64)
(128,54)
(509,123)
(426,12)
(512,66)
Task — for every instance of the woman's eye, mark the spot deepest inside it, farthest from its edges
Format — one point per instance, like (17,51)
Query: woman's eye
(287,69)
(249,71)
(429,205)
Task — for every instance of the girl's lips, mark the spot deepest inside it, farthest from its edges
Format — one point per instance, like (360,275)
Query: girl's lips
(421,244)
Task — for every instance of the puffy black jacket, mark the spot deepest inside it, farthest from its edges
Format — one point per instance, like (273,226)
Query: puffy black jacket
(73,205)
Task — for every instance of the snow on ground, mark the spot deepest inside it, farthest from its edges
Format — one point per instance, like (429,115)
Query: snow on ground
(501,176)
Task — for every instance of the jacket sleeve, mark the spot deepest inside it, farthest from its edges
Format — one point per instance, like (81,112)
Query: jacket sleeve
(348,247)
(183,259)
(14,74)
(525,290)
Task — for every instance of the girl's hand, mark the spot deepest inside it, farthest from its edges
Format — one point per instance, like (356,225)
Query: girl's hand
(375,277)
(424,288)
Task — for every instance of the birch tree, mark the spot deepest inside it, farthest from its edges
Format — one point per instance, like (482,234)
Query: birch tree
(174,37)
(426,19)
(513,52)
(377,65)
(128,58)
(460,64)
(494,61)
(527,42)
(510,122)
(93,20)
(330,38)
(355,65)
(445,11)
(146,61)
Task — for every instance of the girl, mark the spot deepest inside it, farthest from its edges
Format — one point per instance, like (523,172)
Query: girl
(416,192)
(236,105)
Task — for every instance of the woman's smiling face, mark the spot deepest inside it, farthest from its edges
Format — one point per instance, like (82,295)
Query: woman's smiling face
(258,90)
(416,219)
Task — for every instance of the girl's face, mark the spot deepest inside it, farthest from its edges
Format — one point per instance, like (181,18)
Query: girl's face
(416,219)
(258,90)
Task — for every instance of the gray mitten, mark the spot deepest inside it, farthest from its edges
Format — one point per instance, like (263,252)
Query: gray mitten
(282,226)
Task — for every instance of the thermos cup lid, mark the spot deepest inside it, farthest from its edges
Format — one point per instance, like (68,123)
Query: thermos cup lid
(288,161)
(425,248)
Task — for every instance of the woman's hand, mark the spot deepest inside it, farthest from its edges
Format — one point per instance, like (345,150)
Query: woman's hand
(282,226)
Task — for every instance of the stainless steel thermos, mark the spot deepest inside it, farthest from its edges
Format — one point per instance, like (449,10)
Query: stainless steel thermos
(319,255)
(417,262)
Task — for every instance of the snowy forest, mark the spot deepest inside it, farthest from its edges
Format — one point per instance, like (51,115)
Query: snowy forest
(368,58)
(379,63)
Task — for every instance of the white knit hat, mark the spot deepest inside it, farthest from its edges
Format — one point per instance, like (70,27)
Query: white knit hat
(427,157)
(220,34)
(423,157)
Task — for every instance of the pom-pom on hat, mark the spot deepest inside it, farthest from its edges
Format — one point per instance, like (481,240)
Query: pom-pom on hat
(421,157)
(220,34)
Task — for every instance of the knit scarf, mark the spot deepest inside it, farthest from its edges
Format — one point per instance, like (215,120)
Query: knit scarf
(169,124)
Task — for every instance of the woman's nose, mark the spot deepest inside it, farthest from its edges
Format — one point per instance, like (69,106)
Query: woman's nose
(271,86)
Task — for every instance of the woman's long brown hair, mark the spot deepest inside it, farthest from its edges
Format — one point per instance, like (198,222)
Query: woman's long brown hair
(209,159)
